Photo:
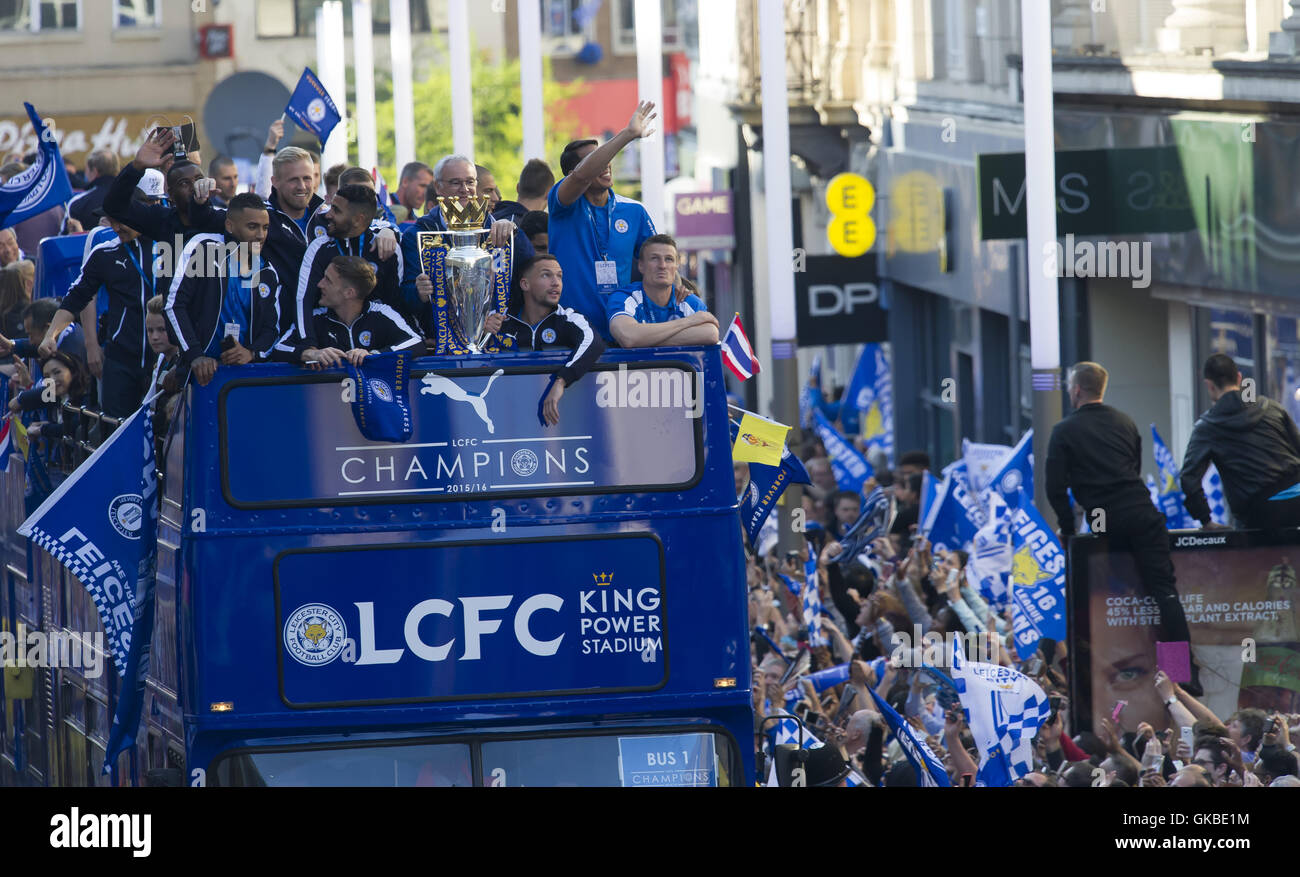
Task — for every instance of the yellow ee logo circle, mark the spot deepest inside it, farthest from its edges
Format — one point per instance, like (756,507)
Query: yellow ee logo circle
(850,198)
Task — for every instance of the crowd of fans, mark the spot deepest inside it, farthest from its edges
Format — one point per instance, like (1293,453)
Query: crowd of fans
(903,586)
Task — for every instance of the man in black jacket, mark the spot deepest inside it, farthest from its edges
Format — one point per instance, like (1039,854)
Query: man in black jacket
(454,177)
(120,265)
(351,324)
(1097,452)
(535,321)
(350,232)
(224,302)
(169,226)
(1255,446)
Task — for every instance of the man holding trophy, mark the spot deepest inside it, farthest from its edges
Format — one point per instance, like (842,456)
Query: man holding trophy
(459,213)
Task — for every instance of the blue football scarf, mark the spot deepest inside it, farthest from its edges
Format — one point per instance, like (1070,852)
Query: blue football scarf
(382,402)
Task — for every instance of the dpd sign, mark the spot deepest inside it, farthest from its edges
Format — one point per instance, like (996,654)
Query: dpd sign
(837,301)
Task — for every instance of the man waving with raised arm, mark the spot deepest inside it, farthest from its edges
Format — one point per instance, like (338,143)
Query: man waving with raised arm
(595,233)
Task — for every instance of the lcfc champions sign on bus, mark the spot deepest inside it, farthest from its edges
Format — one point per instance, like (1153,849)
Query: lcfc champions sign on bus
(460,620)
(474,434)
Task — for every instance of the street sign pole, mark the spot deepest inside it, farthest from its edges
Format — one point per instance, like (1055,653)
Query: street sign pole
(780,241)
(1040,194)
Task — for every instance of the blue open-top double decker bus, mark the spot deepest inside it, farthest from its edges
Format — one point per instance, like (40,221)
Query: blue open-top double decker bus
(491,602)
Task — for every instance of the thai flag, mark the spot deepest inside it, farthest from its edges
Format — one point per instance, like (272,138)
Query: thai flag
(737,353)
(6,443)
(382,196)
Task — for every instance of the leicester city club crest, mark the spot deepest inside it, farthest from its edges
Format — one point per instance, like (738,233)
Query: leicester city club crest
(314,634)
(126,513)
(524,463)
(316,110)
(381,389)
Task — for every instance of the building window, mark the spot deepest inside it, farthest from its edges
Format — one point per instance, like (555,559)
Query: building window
(625,25)
(39,15)
(137,13)
(297,18)
(568,25)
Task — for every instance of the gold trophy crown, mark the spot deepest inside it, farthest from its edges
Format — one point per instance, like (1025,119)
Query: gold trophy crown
(467,218)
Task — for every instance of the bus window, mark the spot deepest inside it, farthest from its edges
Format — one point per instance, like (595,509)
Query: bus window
(443,764)
(682,759)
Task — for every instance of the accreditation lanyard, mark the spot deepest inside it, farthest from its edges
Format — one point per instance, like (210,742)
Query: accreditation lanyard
(606,268)
(602,240)
(238,320)
(361,250)
(130,254)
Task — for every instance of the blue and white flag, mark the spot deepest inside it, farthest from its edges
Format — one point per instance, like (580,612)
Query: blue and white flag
(929,493)
(1015,472)
(821,680)
(39,187)
(382,401)
(1212,484)
(858,394)
(766,484)
(100,524)
(1037,579)
(812,601)
(868,401)
(982,461)
(876,519)
(311,108)
(988,569)
(956,515)
(851,468)
(806,400)
(1169,495)
(928,767)
(1004,709)
(131,696)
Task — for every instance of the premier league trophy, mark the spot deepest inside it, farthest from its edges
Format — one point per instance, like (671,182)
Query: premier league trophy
(470,280)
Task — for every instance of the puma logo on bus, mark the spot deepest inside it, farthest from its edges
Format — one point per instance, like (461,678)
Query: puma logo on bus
(437,384)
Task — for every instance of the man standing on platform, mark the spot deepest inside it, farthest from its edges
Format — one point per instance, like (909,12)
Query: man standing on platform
(1254,445)
(1096,451)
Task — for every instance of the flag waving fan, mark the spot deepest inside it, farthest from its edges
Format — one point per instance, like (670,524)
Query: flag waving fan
(1004,709)
(39,187)
(876,520)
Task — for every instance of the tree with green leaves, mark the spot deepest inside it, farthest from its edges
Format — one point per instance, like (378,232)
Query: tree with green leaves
(498,137)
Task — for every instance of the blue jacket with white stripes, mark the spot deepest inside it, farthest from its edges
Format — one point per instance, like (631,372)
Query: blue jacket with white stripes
(193,306)
(562,327)
(124,270)
(320,252)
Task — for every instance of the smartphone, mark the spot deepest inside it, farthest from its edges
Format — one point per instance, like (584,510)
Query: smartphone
(1034,667)
(967,780)
(849,694)
(178,145)
(1055,703)
(1119,708)
(1188,736)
